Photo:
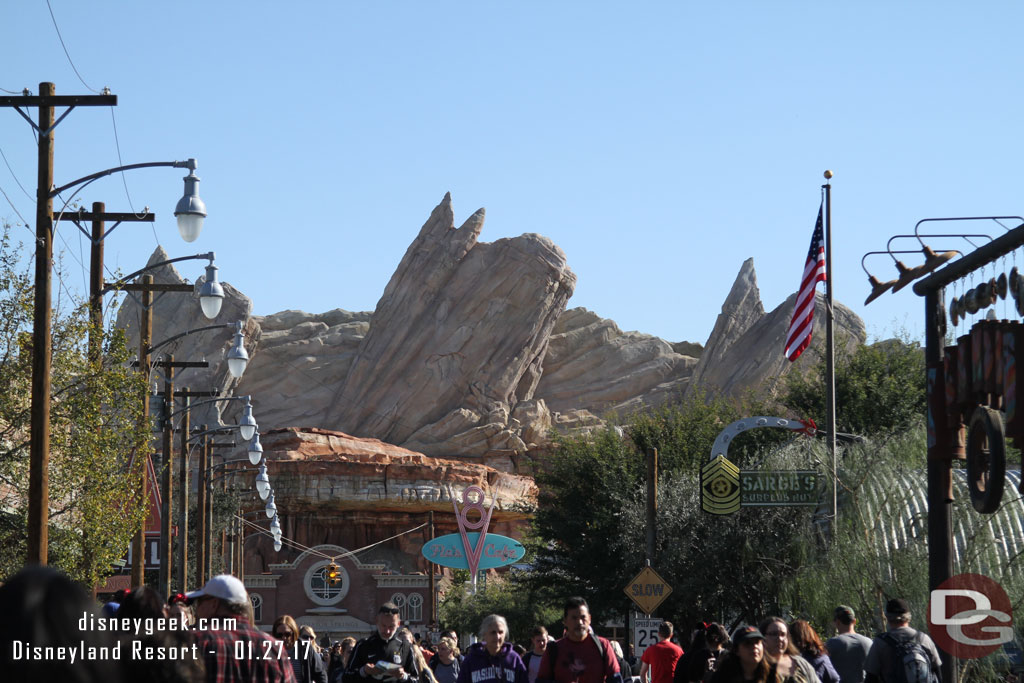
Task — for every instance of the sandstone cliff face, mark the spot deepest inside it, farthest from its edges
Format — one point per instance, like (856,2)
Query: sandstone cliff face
(593,368)
(456,341)
(470,352)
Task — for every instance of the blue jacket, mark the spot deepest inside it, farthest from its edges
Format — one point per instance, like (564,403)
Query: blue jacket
(480,667)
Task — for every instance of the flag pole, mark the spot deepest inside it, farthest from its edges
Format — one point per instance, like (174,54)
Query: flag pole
(830,350)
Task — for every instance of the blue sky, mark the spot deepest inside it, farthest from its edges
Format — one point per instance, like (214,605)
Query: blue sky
(659,144)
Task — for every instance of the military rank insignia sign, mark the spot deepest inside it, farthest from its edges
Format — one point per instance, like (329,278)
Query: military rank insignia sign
(725,488)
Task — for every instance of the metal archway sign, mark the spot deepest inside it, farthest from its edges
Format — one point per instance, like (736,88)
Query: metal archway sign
(725,488)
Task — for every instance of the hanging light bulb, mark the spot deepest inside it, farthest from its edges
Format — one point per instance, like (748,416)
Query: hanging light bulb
(271,508)
(277,545)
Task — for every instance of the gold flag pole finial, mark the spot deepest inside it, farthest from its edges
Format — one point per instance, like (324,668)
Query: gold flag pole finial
(828,175)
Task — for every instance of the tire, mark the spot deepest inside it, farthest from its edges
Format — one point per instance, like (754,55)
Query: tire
(986,459)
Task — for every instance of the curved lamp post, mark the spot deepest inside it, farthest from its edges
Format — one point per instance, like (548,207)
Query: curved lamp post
(211,293)
(191,212)
(237,358)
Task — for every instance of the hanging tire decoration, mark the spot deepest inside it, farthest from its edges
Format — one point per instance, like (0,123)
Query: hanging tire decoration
(986,459)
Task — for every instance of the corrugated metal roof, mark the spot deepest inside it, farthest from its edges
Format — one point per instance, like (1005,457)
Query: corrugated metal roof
(991,544)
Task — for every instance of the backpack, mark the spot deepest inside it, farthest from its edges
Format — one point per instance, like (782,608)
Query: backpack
(609,677)
(911,662)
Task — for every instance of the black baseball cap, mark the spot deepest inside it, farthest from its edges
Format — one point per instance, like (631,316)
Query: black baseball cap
(897,607)
(745,633)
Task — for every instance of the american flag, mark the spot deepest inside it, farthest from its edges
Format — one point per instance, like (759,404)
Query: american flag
(799,336)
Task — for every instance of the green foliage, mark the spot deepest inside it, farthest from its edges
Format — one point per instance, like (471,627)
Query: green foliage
(96,434)
(879,388)
(522,607)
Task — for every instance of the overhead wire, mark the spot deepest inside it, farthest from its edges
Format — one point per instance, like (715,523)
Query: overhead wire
(4,156)
(66,53)
(347,553)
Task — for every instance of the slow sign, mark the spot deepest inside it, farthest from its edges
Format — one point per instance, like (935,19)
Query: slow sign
(648,590)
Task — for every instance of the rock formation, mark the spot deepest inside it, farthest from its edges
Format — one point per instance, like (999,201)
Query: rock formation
(456,341)
(744,353)
(470,352)
(352,492)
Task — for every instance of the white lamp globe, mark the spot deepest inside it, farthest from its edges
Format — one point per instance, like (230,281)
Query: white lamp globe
(263,483)
(237,356)
(255,450)
(277,545)
(190,210)
(271,508)
(247,425)
(211,294)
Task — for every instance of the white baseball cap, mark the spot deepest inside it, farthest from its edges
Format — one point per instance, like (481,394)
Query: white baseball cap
(223,586)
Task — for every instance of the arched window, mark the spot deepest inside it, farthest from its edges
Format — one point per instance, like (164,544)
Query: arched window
(402,604)
(415,607)
(257,606)
(320,590)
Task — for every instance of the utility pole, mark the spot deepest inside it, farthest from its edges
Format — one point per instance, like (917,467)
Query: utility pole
(166,477)
(204,455)
(652,503)
(39,419)
(145,340)
(183,499)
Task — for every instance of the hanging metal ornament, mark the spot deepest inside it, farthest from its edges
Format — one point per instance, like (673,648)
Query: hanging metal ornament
(1013,283)
(954,311)
(1001,286)
(971,301)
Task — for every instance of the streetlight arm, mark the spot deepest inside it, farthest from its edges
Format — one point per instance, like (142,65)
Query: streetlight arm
(123,281)
(189,164)
(151,349)
(207,402)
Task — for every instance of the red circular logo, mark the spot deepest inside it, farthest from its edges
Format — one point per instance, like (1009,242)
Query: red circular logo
(970,616)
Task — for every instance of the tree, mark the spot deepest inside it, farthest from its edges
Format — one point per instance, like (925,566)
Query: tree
(95,432)
(879,388)
(522,607)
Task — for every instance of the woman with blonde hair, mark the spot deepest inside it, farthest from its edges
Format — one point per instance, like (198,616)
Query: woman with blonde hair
(445,663)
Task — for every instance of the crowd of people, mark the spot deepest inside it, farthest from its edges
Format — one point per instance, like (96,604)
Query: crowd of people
(53,632)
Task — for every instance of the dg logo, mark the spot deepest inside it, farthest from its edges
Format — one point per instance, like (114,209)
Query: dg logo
(970,616)
(720,487)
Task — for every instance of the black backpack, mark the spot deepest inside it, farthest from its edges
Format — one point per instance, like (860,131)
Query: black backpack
(911,662)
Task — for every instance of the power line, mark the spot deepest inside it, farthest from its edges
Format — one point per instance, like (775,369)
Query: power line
(16,177)
(15,208)
(68,54)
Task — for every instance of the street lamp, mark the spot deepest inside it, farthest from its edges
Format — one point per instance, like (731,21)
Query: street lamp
(247,425)
(255,450)
(263,482)
(237,356)
(271,509)
(193,212)
(211,294)
(190,209)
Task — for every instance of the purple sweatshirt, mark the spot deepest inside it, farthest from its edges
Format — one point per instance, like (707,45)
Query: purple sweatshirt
(504,667)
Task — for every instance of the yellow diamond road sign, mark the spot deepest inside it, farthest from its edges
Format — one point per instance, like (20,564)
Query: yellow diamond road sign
(648,590)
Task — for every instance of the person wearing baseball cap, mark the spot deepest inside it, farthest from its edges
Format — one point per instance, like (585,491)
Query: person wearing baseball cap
(746,662)
(882,661)
(223,620)
(847,649)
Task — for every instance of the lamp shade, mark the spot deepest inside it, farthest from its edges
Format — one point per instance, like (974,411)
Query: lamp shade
(211,294)
(238,357)
(275,526)
(247,425)
(255,450)
(191,211)
(271,508)
(277,545)
(263,483)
